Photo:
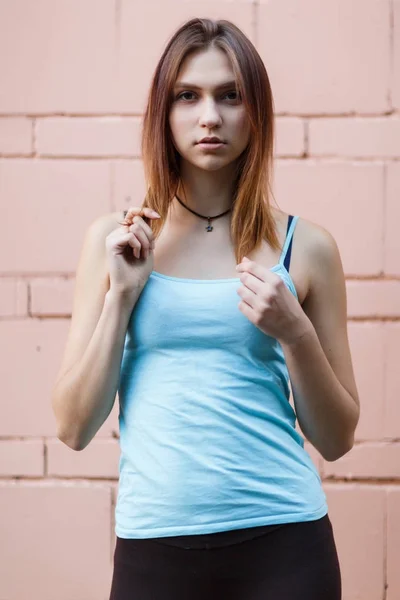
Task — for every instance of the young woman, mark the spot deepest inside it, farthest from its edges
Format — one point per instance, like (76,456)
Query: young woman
(199,315)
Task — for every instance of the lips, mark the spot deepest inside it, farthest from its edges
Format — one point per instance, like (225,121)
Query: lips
(210,140)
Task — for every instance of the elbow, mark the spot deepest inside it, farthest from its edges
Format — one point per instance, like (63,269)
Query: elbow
(70,436)
(65,433)
(70,441)
(332,454)
(73,437)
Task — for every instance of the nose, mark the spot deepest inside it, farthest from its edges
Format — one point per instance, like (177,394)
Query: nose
(210,116)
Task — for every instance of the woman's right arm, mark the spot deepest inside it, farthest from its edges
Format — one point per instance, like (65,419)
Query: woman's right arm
(87,383)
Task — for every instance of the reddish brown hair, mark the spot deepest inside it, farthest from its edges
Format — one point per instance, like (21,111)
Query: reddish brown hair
(252,219)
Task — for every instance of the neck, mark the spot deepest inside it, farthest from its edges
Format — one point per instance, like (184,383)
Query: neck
(207,193)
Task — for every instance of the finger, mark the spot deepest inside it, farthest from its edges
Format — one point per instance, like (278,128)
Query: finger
(135,244)
(137,230)
(255,269)
(148,233)
(147,229)
(137,210)
(134,239)
(120,239)
(247,296)
(251,282)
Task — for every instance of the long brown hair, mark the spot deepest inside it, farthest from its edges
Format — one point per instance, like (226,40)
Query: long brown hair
(252,219)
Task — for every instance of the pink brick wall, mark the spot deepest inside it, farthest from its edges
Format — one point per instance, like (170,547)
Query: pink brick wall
(74,78)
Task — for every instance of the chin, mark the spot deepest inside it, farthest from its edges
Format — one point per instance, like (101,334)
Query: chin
(213,167)
(211,163)
(207,162)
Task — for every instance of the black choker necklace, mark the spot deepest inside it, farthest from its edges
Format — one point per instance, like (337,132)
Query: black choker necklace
(209,226)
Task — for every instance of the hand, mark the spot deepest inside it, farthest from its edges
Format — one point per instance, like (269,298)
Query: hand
(269,304)
(130,251)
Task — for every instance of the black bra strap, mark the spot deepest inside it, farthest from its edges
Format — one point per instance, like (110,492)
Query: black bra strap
(286,262)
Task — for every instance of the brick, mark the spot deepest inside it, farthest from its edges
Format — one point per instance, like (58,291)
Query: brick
(358,138)
(391,413)
(392,220)
(357,513)
(393,543)
(379,460)
(52,202)
(373,299)
(143,40)
(71,70)
(34,518)
(107,136)
(129,185)
(314,64)
(31,356)
(21,458)
(289,137)
(367,350)
(99,459)
(51,297)
(13,297)
(15,136)
(335,195)
(395,83)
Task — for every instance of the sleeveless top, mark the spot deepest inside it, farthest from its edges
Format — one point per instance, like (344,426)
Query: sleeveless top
(207,434)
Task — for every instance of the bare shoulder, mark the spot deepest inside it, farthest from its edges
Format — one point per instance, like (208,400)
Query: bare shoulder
(315,256)
(315,239)
(318,247)
(321,255)
(93,252)
(309,237)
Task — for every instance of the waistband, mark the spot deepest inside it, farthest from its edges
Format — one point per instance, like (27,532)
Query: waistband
(221,539)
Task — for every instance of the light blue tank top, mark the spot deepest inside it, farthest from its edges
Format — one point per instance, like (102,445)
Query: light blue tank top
(207,433)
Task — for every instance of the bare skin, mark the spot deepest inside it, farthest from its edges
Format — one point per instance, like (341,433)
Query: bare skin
(188,251)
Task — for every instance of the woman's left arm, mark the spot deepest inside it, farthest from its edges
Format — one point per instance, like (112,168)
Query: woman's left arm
(314,340)
(319,361)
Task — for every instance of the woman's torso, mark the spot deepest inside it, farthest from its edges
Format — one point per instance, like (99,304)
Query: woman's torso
(208,440)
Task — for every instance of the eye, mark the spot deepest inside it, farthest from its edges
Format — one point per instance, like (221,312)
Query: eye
(180,96)
(237,97)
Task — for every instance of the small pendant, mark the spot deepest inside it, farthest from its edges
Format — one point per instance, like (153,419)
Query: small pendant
(209,226)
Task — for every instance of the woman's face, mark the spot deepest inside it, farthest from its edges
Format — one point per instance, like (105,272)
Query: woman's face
(206,104)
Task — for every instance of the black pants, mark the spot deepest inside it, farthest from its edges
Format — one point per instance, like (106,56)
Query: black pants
(294,561)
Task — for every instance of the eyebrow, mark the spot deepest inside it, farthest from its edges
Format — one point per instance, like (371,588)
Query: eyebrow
(183,84)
